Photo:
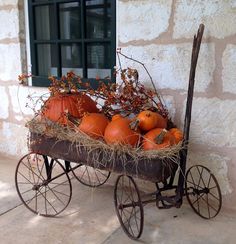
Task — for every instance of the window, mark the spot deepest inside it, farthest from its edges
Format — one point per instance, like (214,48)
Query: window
(72,35)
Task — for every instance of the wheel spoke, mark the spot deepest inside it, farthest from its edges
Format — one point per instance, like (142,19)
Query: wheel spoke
(40,171)
(200,174)
(60,193)
(47,201)
(24,183)
(214,196)
(209,215)
(192,179)
(31,169)
(88,175)
(36,201)
(97,177)
(209,204)
(33,173)
(26,178)
(195,185)
(209,180)
(55,195)
(26,191)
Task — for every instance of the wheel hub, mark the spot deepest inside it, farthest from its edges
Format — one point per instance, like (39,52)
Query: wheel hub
(198,192)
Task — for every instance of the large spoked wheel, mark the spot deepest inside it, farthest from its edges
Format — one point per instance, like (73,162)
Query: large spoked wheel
(43,184)
(90,176)
(128,205)
(203,192)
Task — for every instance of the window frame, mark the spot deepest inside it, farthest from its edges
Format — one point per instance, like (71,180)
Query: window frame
(42,81)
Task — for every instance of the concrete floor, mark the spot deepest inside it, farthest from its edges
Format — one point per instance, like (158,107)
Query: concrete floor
(91,218)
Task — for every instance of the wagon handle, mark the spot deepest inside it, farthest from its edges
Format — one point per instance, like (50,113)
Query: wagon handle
(183,155)
(195,51)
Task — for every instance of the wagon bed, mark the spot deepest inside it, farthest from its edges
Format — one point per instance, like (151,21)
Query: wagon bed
(155,169)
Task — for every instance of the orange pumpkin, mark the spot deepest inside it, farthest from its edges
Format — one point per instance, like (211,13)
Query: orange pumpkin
(116,116)
(157,139)
(178,134)
(148,120)
(94,124)
(75,104)
(118,131)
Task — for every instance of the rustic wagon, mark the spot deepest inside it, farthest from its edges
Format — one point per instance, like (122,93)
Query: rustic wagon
(46,187)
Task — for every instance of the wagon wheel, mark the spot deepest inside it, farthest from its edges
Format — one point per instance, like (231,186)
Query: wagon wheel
(90,176)
(128,205)
(203,192)
(43,184)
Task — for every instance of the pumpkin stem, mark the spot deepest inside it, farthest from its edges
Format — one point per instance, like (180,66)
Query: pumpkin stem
(159,139)
(134,124)
(72,119)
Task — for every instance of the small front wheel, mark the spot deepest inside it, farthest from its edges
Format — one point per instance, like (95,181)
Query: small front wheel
(128,205)
(42,184)
(203,192)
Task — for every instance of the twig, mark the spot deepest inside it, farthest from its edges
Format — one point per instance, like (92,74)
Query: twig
(162,104)
(150,77)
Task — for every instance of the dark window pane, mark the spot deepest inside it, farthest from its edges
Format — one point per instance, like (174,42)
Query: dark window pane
(98,60)
(70,20)
(45,22)
(98,20)
(47,60)
(94,2)
(71,59)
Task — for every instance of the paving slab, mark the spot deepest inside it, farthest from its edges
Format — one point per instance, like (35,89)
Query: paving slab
(90,218)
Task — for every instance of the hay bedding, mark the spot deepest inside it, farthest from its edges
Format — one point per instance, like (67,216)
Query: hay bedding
(101,155)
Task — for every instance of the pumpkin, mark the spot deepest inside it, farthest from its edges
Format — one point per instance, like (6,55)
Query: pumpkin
(118,131)
(157,138)
(147,120)
(116,116)
(94,124)
(178,134)
(58,106)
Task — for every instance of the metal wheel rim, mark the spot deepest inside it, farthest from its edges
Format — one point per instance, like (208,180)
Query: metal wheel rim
(90,173)
(195,205)
(130,232)
(44,194)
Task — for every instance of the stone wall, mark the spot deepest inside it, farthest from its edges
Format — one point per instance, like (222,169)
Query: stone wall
(13,111)
(158,33)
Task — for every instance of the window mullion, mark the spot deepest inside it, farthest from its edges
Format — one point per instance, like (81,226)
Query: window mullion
(58,46)
(34,68)
(83,36)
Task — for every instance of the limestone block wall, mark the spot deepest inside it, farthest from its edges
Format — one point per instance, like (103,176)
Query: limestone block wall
(13,98)
(159,33)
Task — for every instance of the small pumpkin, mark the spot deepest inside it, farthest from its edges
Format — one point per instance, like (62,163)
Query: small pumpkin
(118,131)
(178,134)
(157,138)
(94,124)
(75,104)
(147,120)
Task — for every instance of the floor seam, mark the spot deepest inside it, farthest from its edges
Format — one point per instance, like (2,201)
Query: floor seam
(11,209)
(107,238)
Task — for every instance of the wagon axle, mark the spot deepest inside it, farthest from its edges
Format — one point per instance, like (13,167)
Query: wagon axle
(198,192)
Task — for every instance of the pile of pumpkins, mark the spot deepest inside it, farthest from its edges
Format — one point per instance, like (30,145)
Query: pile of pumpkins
(147,129)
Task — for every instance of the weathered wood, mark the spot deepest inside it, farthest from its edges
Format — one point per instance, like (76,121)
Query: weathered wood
(155,170)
